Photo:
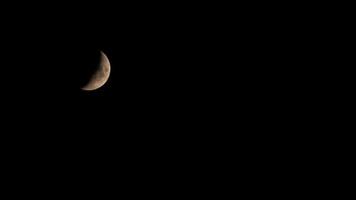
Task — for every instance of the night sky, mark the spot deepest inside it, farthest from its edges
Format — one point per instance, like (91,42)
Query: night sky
(193,90)
(177,69)
(160,79)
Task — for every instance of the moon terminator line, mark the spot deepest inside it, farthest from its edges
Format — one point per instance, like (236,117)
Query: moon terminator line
(101,74)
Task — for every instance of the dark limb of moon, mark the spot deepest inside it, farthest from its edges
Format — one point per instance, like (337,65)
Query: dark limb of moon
(100,76)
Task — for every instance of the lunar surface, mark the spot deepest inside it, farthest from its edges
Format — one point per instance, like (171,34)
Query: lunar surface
(100,76)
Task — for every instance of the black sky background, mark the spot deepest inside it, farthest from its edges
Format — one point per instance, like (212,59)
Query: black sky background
(194,87)
(180,76)
(170,66)
(161,77)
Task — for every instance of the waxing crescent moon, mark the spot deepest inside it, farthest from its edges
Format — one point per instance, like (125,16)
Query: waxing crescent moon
(101,74)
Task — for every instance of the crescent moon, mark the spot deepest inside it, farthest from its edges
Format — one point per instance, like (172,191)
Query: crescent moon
(100,76)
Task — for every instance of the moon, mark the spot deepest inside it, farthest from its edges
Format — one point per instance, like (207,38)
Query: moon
(100,76)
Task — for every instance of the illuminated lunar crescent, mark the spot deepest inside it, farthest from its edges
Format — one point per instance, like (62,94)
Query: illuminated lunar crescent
(100,76)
